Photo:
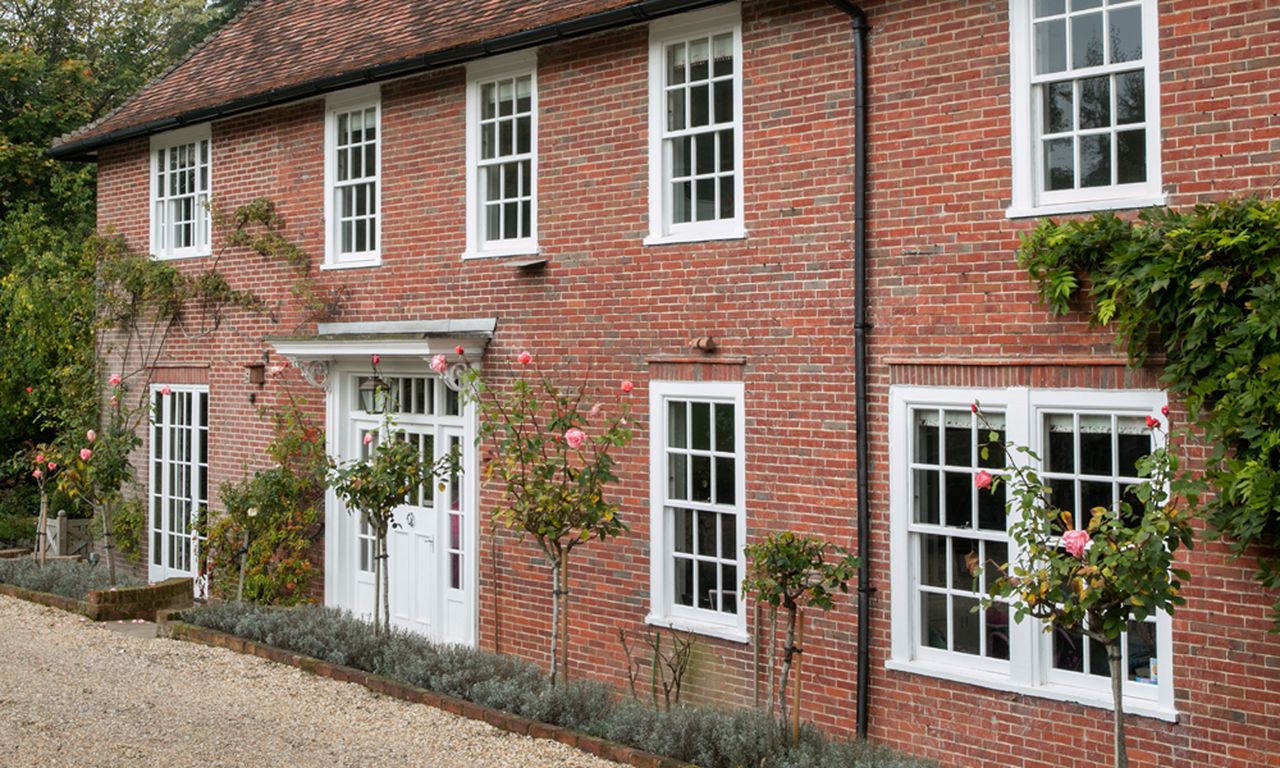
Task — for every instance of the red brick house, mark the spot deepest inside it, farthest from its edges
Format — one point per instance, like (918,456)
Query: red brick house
(603,181)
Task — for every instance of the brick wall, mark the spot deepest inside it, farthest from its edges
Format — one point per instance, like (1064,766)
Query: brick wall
(948,304)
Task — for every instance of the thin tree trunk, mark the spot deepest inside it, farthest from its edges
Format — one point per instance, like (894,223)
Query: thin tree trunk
(564,618)
(787,654)
(377,589)
(244,557)
(773,656)
(386,586)
(555,619)
(1117,699)
(799,662)
(42,533)
(107,544)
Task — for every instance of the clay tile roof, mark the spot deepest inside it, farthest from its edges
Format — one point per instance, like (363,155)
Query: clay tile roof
(283,50)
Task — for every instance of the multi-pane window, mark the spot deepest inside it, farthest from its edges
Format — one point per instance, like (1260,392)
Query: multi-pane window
(502,124)
(696,124)
(180,165)
(699,516)
(950,539)
(179,477)
(1086,74)
(352,171)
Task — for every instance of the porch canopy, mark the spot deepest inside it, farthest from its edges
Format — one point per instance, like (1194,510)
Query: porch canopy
(398,339)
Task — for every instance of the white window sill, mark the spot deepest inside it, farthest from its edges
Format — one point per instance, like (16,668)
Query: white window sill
(181,256)
(721,631)
(697,236)
(1058,692)
(1084,206)
(498,251)
(372,262)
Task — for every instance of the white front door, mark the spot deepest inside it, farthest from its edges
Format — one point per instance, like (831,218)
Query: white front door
(179,479)
(430,544)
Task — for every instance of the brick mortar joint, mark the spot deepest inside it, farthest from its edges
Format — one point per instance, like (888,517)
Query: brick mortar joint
(508,721)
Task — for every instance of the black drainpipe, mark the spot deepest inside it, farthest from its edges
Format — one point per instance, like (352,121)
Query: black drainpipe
(860,330)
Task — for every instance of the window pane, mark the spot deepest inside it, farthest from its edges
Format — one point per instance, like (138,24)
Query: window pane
(682,202)
(726,490)
(706,210)
(958,439)
(699,56)
(925,492)
(728,201)
(509,220)
(926,446)
(707,587)
(1059,164)
(676,424)
(1051,46)
(959,499)
(684,581)
(699,109)
(701,478)
(729,537)
(675,109)
(1086,40)
(1126,34)
(724,427)
(1059,101)
(723,91)
(934,631)
(727,159)
(684,531)
(493,222)
(1050,7)
(1068,651)
(505,140)
(723,51)
(1095,160)
(487,142)
(966,564)
(1093,495)
(991,508)
(681,156)
(701,425)
(488,99)
(678,476)
(729,588)
(996,554)
(1131,104)
(704,153)
(965,622)
(706,533)
(524,94)
(1095,102)
(524,134)
(1131,157)
(1095,445)
(675,64)
(998,631)
(1133,445)
(1143,666)
(933,560)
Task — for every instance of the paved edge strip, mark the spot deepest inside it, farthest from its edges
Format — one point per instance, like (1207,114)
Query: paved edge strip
(608,750)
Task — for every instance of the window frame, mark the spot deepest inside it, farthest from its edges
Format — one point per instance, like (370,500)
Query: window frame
(662,608)
(1029,669)
(164,142)
(159,488)
(1028,195)
(707,22)
(364,97)
(479,74)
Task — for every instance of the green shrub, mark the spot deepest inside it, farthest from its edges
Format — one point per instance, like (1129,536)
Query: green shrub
(707,737)
(67,578)
(17,531)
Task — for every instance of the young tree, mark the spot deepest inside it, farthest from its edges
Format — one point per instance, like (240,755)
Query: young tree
(1093,572)
(554,460)
(791,571)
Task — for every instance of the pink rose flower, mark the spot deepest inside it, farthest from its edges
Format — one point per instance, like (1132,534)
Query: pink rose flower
(38,474)
(627,386)
(973,407)
(115,402)
(52,465)
(1075,542)
(596,410)
(85,454)
(1152,422)
(91,436)
(982,480)
(30,390)
(438,364)
(1164,410)
(368,438)
(459,350)
(574,437)
(115,380)
(524,358)
(39,458)
(166,390)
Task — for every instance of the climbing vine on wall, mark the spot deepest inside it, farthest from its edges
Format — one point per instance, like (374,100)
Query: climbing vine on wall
(1201,287)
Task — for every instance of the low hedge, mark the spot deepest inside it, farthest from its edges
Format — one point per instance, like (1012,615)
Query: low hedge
(66,578)
(708,737)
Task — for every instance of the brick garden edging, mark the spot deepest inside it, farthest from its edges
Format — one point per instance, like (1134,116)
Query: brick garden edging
(619,753)
(143,602)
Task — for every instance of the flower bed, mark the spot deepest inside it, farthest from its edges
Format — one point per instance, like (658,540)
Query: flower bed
(82,588)
(498,684)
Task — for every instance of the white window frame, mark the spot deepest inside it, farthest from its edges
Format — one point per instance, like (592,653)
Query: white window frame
(716,20)
(1029,669)
(336,104)
(160,487)
(1028,195)
(662,609)
(160,231)
(479,74)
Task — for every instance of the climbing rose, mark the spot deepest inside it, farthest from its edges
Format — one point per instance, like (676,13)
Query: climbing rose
(459,350)
(37,474)
(627,386)
(91,436)
(30,390)
(115,402)
(1164,410)
(85,454)
(114,380)
(39,458)
(1152,422)
(1074,542)
(166,390)
(52,465)
(438,364)
(973,407)
(524,358)
(376,359)
(574,437)
(982,480)
(368,438)
(596,410)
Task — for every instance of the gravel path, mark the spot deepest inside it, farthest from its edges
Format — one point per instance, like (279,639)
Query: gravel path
(74,694)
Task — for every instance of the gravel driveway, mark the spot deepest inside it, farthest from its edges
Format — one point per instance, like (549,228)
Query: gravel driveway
(75,694)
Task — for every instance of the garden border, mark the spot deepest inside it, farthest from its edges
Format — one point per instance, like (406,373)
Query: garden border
(118,604)
(173,627)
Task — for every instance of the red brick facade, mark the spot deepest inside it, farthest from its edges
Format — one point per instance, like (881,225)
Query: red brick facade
(948,304)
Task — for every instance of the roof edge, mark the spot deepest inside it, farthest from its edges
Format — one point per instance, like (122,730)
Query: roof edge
(86,149)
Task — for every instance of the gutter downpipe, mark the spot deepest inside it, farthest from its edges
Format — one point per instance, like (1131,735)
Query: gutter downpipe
(861,329)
